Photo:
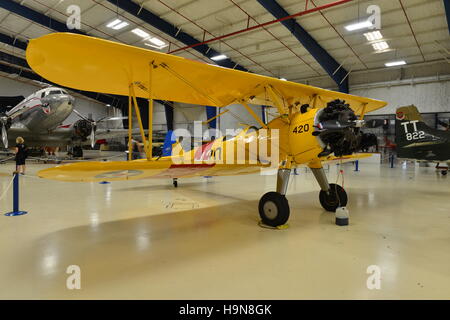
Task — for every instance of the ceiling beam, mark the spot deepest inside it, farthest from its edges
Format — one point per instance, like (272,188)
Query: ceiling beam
(36,16)
(22,63)
(50,23)
(335,70)
(171,30)
(447,12)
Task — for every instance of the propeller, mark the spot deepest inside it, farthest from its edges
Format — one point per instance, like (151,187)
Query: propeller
(339,125)
(4,137)
(5,123)
(95,122)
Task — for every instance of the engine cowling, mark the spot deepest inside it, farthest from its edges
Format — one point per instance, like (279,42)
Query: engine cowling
(338,130)
(82,129)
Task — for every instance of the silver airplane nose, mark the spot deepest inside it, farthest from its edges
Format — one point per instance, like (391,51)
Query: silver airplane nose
(58,103)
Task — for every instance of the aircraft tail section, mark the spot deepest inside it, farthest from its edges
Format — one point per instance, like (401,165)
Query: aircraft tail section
(168,142)
(416,140)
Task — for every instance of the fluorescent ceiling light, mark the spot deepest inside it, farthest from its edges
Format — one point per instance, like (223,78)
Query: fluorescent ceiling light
(117,24)
(380,46)
(157,47)
(284,79)
(219,57)
(141,33)
(113,23)
(121,25)
(359,25)
(157,42)
(372,36)
(395,63)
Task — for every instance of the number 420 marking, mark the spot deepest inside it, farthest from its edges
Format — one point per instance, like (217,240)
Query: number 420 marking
(301,128)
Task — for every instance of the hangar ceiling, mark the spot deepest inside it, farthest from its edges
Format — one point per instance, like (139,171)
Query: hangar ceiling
(416,31)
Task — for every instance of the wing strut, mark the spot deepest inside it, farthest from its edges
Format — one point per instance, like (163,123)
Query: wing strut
(130,126)
(276,100)
(253,114)
(150,112)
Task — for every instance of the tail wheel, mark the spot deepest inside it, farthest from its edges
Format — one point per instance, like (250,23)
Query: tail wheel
(274,209)
(444,172)
(334,198)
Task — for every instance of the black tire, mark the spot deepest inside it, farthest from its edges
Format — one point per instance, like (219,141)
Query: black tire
(337,197)
(274,209)
(77,152)
(444,172)
(175,183)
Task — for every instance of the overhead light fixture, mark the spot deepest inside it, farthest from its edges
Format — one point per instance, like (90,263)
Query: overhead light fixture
(157,42)
(113,23)
(395,63)
(154,46)
(117,24)
(284,79)
(108,105)
(380,46)
(141,33)
(219,57)
(121,25)
(372,36)
(359,25)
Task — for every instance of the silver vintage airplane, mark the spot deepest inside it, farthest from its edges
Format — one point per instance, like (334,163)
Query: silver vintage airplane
(39,117)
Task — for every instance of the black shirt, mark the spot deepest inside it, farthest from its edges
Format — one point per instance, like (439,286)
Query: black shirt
(21,151)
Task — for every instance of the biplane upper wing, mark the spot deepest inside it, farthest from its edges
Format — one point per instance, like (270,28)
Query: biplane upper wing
(93,64)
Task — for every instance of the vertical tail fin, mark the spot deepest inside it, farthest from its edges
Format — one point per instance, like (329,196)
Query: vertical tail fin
(414,138)
(406,120)
(168,142)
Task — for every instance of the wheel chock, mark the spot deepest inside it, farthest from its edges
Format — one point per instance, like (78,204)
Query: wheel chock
(282,227)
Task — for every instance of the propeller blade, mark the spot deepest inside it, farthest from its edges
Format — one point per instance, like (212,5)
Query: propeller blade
(111,119)
(81,116)
(93,137)
(335,125)
(4,136)
(374,123)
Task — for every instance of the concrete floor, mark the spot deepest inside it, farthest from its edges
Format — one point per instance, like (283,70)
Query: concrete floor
(147,240)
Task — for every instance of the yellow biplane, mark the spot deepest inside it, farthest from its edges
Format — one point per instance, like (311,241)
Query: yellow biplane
(314,126)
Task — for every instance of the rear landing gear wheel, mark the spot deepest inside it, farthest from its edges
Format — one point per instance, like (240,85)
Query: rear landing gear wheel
(336,197)
(273,209)
(77,152)
(175,183)
(444,172)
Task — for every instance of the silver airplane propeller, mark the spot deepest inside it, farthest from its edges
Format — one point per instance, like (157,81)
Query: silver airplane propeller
(95,122)
(4,136)
(4,123)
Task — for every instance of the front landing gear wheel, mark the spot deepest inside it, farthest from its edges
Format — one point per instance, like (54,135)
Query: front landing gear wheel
(336,197)
(274,209)
(175,183)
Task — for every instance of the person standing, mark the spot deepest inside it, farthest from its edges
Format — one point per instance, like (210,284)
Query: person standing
(21,155)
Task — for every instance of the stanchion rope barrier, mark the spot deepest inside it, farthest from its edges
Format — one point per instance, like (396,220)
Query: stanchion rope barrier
(7,188)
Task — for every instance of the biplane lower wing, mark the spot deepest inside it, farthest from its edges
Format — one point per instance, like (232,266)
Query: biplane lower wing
(157,169)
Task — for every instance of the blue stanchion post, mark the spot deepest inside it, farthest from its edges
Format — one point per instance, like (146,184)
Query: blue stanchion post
(16,211)
(357,165)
